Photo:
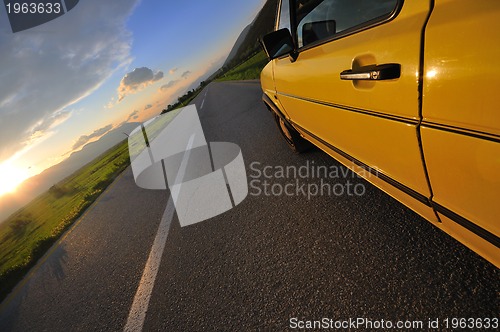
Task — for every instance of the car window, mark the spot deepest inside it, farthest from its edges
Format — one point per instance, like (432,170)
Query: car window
(322,19)
(284,18)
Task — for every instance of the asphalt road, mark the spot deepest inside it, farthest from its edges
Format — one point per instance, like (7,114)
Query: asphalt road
(253,268)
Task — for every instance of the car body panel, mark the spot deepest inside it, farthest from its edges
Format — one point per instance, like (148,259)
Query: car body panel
(375,122)
(464,175)
(267,81)
(461,116)
(462,72)
(433,134)
(416,205)
(387,145)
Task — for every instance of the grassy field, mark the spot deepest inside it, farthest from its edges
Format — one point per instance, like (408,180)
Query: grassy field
(248,70)
(31,231)
(27,235)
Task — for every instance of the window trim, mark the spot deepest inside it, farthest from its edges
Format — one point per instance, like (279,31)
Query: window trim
(353,30)
(278,13)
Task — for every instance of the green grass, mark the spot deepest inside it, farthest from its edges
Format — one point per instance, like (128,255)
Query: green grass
(190,99)
(185,102)
(248,70)
(29,233)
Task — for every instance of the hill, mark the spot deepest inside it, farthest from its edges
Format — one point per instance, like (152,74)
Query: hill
(237,44)
(261,25)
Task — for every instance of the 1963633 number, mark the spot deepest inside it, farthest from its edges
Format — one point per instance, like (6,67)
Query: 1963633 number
(33,8)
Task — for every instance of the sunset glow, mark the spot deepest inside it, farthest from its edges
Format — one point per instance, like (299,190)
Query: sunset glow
(97,73)
(10,178)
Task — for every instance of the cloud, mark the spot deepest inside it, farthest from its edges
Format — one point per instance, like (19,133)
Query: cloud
(110,104)
(173,70)
(169,85)
(48,123)
(186,74)
(84,139)
(148,107)
(137,80)
(134,115)
(48,68)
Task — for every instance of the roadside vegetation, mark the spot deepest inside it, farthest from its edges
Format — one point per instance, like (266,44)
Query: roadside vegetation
(185,99)
(31,231)
(248,70)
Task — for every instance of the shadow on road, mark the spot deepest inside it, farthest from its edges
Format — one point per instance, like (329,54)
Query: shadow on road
(52,270)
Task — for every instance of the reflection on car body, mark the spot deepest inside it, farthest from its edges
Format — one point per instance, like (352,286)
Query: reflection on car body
(407,88)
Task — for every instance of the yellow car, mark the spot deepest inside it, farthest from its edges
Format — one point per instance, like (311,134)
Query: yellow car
(409,90)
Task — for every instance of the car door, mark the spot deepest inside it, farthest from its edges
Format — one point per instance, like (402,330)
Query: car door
(330,89)
(461,124)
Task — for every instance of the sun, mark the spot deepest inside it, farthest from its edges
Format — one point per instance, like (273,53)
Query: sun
(11,177)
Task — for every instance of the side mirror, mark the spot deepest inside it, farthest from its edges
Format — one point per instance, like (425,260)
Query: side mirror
(278,43)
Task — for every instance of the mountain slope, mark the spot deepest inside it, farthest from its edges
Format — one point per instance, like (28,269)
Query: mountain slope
(238,44)
(262,24)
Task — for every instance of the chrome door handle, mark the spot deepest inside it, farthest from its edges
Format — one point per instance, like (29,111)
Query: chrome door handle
(387,71)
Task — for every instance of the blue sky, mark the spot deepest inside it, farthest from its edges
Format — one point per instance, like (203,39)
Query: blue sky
(68,82)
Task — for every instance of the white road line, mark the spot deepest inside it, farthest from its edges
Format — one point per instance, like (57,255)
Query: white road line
(204,97)
(137,314)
